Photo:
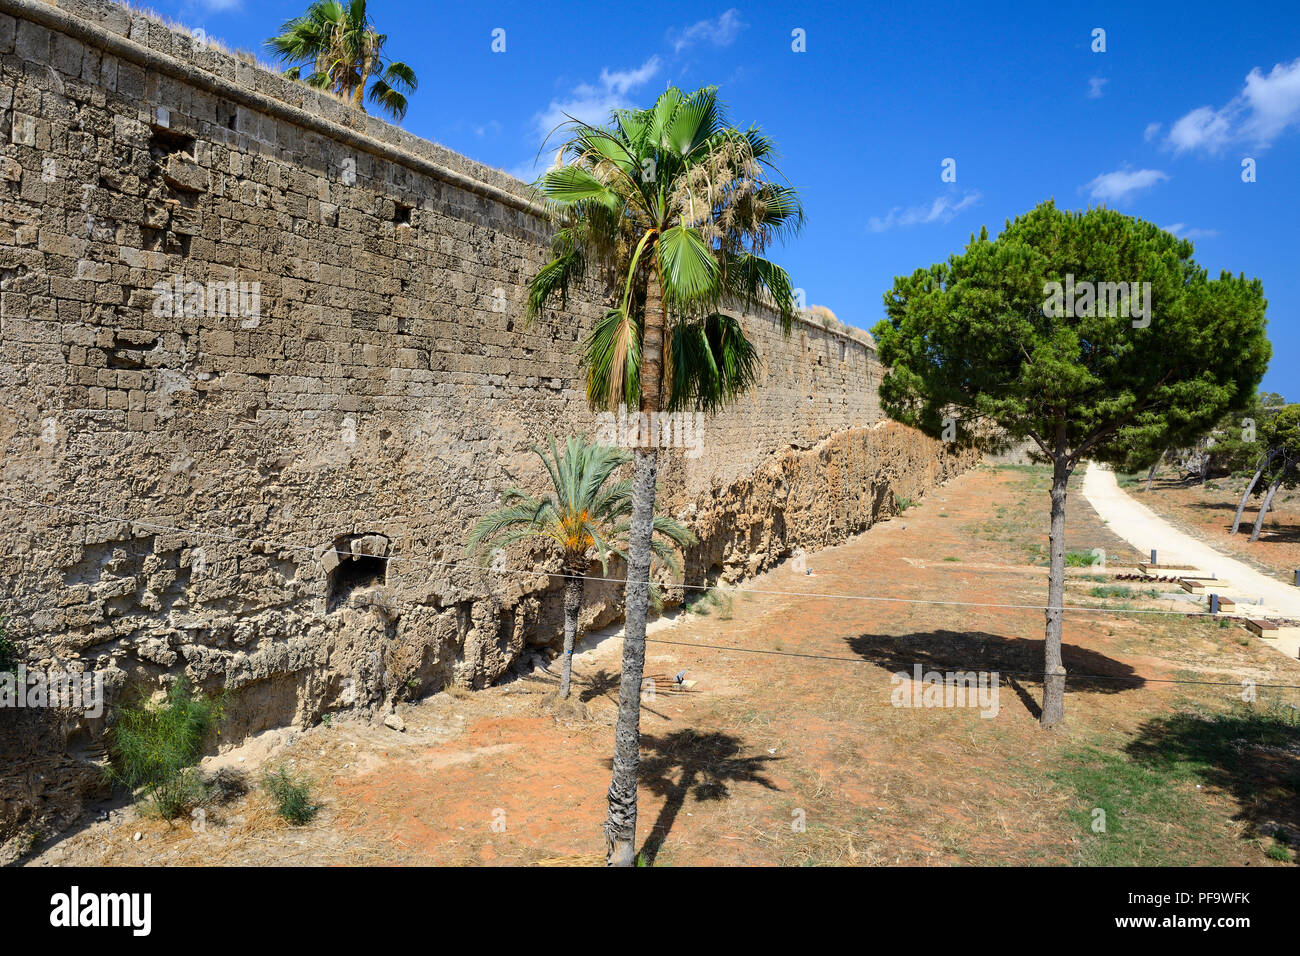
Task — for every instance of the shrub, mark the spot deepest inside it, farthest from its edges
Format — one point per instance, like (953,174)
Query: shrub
(292,796)
(713,598)
(8,652)
(1120,591)
(155,749)
(1081,559)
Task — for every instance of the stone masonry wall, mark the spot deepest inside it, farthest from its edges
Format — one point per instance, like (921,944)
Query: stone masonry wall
(358,378)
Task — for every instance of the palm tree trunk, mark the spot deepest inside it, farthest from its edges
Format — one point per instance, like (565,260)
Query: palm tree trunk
(620,826)
(572,606)
(1245,495)
(1053,670)
(1263,509)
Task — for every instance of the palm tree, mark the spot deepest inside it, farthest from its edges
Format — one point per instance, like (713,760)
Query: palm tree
(674,208)
(338,44)
(582,513)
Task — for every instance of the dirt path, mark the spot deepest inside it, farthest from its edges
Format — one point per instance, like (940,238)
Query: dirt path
(1144,529)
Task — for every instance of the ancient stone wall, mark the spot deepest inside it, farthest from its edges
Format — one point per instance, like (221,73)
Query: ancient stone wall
(244,328)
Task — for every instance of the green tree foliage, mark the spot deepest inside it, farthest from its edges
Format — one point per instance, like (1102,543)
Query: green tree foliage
(1279,464)
(979,352)
(338,46)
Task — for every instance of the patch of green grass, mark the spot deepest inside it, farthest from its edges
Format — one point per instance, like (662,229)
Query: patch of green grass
(1279,853)
(1120,591)
(903,504)
(155,749)
(1153,812)
(950,558)
(713,598)
(292,795)
(1082,559)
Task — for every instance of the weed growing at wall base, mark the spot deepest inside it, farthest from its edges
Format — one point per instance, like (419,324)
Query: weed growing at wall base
(292,796)
(155,748)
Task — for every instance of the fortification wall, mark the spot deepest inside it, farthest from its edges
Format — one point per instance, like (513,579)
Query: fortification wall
(178,468)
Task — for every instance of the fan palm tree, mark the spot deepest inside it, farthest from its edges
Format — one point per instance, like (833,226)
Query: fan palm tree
(584,512)
(339,47)
(673,207)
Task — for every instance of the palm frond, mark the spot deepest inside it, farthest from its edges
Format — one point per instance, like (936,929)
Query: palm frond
(388,99)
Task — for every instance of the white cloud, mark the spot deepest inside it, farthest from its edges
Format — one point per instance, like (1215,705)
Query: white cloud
(1274,102)
(1095,83)
(943,209)
(1180,230)
(592,103)
(720,31)
(1152,131)
(1123,182)
(1203,128)
(1267,106)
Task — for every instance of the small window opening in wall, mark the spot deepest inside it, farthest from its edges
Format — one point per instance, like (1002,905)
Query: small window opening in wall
(352,573)
(843,351)
(402,213)
(164,142)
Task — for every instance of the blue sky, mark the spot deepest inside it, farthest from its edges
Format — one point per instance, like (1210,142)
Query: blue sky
(1155,126)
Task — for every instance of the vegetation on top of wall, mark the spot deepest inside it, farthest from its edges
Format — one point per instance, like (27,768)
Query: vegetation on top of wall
(343,53)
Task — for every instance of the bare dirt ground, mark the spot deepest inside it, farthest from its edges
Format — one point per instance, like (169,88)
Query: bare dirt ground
(1206,511)
(787,750)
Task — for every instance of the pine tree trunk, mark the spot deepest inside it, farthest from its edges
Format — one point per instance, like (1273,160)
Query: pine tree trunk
(620,826)
(1263,509)
(572,606)
(1053,670)
(1151,475)
(1245,496)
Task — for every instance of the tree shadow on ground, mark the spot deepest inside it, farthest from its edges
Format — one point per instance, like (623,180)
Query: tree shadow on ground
(604,683)
(1252,753)
(690,762)
(1273,525)
(1011,657)
(1228,506)
(1274,534)
(599,684)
